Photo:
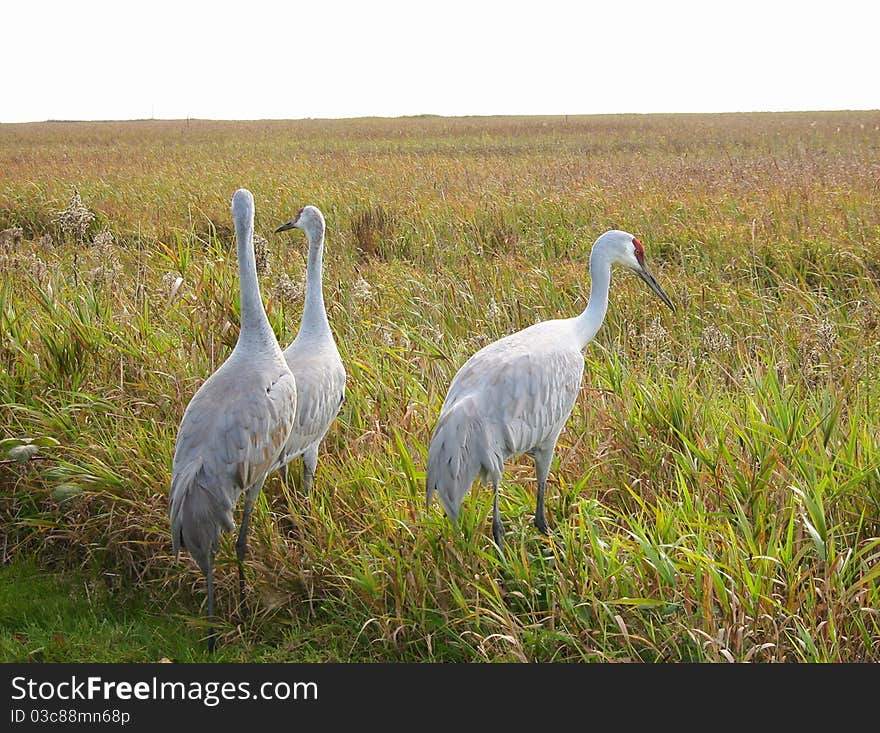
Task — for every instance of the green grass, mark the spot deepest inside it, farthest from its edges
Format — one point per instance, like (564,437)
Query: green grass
(85,616)
(715,494)
(58,617)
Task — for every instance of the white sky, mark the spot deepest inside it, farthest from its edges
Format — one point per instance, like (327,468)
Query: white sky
(252,59)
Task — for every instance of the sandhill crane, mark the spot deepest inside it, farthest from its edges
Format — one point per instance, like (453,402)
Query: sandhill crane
(313,358)
(233,428)
(514,396)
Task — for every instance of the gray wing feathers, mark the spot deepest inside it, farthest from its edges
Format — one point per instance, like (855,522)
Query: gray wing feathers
(320,384)
(199,513)
(319,406)
(526,394)
(548,389)
(220,454)
(459,452)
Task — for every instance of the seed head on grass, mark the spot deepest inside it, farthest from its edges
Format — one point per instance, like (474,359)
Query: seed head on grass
(826,335)
(492,310)
(261,254)
(817,349)
(105,274)
(28,263)
(105,254)
(362,290)
(867,316)
(103,241)
(37,268)
(652,342)
(714,342)
(75,219)
(289,290)
(11,238)
(172,284)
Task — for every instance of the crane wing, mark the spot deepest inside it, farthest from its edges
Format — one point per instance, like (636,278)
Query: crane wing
(231,434)
(320,382)
(522,392)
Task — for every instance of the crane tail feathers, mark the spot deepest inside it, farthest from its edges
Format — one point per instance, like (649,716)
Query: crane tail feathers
(198,515)
(458,454)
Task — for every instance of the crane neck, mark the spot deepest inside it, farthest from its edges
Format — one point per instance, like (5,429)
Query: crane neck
(255,326)
(314,319)
(588,323)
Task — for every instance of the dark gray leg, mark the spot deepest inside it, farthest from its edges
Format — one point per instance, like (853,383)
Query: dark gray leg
(250,499)
(240,552)
(285,474)
(543,459)
(310,465)
(212,636)
(497,527)
(540,519)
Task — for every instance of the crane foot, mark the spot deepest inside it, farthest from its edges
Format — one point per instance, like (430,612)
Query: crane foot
(541,525)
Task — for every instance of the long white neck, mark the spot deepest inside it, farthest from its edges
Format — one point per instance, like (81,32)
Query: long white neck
(588,323)
(255,325)
(314,318)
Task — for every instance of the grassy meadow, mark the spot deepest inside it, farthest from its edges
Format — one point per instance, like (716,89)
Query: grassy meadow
(715,495)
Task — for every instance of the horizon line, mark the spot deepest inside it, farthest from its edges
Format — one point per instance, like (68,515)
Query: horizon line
(431,115)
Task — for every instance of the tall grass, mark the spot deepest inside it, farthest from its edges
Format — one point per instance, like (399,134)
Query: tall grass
(715,494)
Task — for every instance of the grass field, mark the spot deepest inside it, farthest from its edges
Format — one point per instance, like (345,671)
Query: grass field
(715,495)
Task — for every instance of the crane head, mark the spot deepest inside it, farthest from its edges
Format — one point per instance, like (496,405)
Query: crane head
(629,252)
(243,204)
(308,217)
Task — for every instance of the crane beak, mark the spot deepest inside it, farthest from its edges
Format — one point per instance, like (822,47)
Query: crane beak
(646,275)
(284,227)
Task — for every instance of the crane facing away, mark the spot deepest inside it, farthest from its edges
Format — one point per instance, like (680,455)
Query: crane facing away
(233,428)
(514,395)
(313,358)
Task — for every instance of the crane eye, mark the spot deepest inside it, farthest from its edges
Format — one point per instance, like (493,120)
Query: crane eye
(638,249)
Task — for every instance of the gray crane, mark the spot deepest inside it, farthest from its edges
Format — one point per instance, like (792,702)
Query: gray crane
(313,357)
(514,395)
(233,428)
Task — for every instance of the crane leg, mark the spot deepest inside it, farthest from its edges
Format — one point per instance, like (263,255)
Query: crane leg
(212,635)
(540,519)
(543,459)
(240,552)
(250,499)
(285,473)
(310,465)
(497,527)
